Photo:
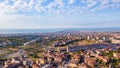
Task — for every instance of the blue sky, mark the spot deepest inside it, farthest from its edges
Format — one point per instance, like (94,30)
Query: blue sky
(43,14)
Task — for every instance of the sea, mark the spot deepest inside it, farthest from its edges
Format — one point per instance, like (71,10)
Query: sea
(14,31)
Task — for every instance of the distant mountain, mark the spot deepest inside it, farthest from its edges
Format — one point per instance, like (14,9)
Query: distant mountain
(92,29)
(24,31)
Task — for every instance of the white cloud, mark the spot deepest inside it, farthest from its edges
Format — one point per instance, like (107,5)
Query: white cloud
(60,3)
(31,4)
(71,1)
(51,5)
(104,2)
(116,0)
(107,4)
(55,6)
(91,4)
(5,7)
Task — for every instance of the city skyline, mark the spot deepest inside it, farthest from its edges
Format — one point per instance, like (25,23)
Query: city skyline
(44,14)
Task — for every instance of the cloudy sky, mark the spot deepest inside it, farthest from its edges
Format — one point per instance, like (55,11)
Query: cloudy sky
(36,14)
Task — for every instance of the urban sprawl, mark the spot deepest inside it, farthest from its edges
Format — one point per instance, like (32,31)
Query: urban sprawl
(63,49)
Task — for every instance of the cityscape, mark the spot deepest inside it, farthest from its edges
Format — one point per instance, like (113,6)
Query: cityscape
(63,49)
(59,33)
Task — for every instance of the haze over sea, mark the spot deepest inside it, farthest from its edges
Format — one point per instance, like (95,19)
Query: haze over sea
(14,31)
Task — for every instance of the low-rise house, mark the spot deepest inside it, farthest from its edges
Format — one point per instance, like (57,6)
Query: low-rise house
(76,58)
(83,65)
(71,65)
(40,61)
(115,40)
(16,60)
(34,65)
(59,59)
(22,66)
(91,62)
(8,62)
(105,59)
(116,55)
(50,54)
(87,56)
(27,63)
(14,63)
(99,52)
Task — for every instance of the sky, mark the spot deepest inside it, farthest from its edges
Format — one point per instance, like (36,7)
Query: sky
(45,14)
